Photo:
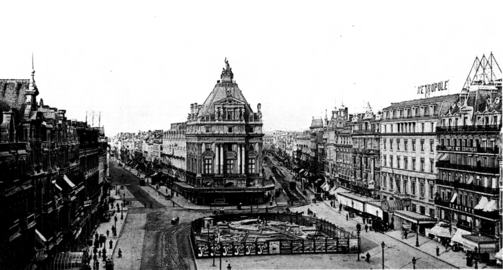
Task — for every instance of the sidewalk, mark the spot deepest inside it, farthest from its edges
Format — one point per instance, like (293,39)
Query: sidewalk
(426,245)
(107,226)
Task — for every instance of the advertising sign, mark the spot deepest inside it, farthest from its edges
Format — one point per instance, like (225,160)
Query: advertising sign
(427,89)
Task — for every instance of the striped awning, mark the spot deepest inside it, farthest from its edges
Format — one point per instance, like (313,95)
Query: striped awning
(482,203)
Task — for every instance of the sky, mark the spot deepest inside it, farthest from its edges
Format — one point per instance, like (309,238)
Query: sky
(141,65)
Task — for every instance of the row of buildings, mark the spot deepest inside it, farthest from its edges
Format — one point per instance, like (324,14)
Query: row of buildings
(429,164)
(212,158)
(52,179)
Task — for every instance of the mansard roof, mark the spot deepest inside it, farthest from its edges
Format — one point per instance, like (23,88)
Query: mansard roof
(316,123)
(226,90)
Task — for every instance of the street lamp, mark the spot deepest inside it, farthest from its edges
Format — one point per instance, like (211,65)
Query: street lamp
(383,245)
(358,232)
(414,262)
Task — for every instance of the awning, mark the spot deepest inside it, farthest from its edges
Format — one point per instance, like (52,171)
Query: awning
(67,260)
(457,238)
(454,197)
(391,205)
(414,217)
(470,179)
(72,185)
(443,156)
(441,229)
(483,243)
(491,206)
(56,185)
(499,255)
(40,237)
(482,203)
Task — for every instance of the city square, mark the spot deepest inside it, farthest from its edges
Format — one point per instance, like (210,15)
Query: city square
(223,135)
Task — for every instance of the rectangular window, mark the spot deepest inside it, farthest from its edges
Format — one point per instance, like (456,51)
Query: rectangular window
(413,187)
(430,185)
(405,144)
(229,166)
(384,144)
(432,164)
(422,145)
(413,207)
(251,165)
(398,144)
(422,189)
(208,165)
(422,127)
(413,144)
(432,212)
(431,145)
(422,165)
(390,144)
(413,164)
(406,163)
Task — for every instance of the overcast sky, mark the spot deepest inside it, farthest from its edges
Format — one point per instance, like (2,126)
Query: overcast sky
(142,65)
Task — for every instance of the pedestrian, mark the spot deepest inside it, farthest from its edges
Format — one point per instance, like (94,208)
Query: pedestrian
(99,253)
(366,228)
(108,232)
(347,216)
(340,207)
(438,251)
(95,250)
(115,218)
(367,259)
(150,204)
(173,203)
(406,233)
(120,253)
(111,242)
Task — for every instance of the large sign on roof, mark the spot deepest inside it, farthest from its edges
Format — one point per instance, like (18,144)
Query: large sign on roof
(427,89)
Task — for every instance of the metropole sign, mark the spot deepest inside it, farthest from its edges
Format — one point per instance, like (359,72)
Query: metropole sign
(427,89)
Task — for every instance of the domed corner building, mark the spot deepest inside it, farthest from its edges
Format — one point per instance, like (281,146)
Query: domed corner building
(224,149)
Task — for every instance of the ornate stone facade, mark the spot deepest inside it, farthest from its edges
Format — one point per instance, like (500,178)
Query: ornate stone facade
(51,191)
(224,148)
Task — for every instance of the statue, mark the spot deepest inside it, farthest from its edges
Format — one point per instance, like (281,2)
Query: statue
(226,63)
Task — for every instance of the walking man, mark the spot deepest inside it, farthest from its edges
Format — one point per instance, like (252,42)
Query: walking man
(111,242)
(120,253)
(366,228)
(438,251)
(108,232)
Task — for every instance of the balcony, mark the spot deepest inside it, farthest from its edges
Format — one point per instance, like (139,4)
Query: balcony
(490,215)
(448,165)
(464,129)
(488,150)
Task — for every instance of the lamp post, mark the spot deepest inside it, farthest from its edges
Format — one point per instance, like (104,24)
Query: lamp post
(358,233)
(414,262)
(383,245)
(417,235)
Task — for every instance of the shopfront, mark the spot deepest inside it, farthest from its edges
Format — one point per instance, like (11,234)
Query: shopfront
(417,221)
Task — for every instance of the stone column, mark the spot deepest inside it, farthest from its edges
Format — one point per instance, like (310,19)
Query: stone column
(243,159)
(239,158)
(217,156)
(221,165)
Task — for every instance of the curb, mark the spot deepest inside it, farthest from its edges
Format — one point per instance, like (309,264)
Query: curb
(406,243)
(193,255)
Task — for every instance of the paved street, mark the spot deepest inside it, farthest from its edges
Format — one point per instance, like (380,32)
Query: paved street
(149,241)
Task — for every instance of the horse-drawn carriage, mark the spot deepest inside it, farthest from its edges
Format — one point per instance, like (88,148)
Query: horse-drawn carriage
(175,221)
